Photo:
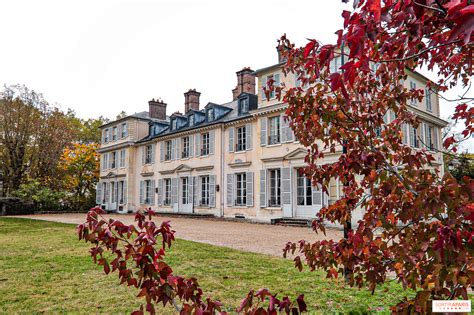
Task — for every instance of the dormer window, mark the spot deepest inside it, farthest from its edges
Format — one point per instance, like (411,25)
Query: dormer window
(173,124)
(191,120)
(244,106)
(210,114)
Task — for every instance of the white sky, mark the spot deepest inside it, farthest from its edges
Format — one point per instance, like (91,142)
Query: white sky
(102,57)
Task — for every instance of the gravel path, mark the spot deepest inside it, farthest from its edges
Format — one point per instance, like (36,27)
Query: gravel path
(251,237)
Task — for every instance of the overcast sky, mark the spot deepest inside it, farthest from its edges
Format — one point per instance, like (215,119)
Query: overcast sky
(102,57)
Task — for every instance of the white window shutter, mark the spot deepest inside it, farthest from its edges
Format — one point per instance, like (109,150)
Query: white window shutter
(152,193)
(174,190)
(211,141)
(286,186)
(230,190)
(160,192)
(162,151)
(263,188)
(98,193)
(435,137)
(317,196)
(264,84)
(191,147)
(231,139)
(143,150)
(263,131)
(197,144)
(212,191)
(173,149)
(125,192)
(249,188)
(248,133)
(190,189)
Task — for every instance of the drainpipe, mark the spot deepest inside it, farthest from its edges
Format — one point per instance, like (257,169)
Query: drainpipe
(221,190)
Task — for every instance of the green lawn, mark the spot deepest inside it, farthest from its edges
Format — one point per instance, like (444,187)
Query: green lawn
(44,268)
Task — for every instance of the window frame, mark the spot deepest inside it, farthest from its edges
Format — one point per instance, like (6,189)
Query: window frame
(274,192)
(184,190)
(114,133)
(191,120)
(241,189)
(276,128)
(205,143)
(307,190)
(147,193)
(204,200)
(167,191)
(106,135)
(148,154)
(113,160)
(242,109)
(428,103)
(168,150)
(124,131)
(185,147)
(241,139)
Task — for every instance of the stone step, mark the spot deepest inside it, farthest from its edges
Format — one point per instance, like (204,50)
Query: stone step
(292,222)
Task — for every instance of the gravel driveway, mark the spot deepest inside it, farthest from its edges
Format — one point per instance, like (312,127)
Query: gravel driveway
(251,237)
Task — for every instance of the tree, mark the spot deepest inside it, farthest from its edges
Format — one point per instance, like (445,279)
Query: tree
(80,165)
(19,116)
(416,225)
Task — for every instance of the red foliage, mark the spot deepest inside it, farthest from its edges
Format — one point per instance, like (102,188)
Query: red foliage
(416,224)
(137,254)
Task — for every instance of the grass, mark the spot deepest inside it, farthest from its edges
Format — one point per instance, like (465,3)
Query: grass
(44,268)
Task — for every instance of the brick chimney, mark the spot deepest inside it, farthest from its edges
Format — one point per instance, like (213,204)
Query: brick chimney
(245,82)
(157,109)
(191,100)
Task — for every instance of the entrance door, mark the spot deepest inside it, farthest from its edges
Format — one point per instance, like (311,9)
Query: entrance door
(308,198)
(185,196)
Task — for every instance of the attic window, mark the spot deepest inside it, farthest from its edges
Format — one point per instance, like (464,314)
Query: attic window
(210,114)
(244,106)
(173,124)
(191,120)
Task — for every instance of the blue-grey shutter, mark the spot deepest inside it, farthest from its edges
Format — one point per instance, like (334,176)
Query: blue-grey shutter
(249,188)
(160,192)
(106,193)
(191,147)
(153,149)
(125,193)
(178,148)
(427,137)
(143,150)
(248,133)
(141,192)
(412,136)
(173,149)
(263,188)
(263,131)
(230,190)
(98,193)
(197,144)
(212,191)
(317,196)
(404,133)
(162,151)
(286,186)
(231,139)
(211,141)
(196,190)
(174,190)
(152,193)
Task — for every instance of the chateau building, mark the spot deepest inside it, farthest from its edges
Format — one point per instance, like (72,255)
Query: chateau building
(238,159)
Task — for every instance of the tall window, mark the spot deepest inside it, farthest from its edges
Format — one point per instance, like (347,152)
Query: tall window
(105,161)
(122,158)
(124,130)
(429,138)
(104,194)
(106,135)
(412,87)
(121,191)
(185,153)
(168,148)
(167,191)
(414,141)
(113,192)
(184,190)
(173,124)
(148,191)
(275,187)
(115,133)
(148,154)
(191,120)
(205,144)
(428,99)
(113,160)
(241,144)
(204,190)
(304,196)
(274,134)
(241,189)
